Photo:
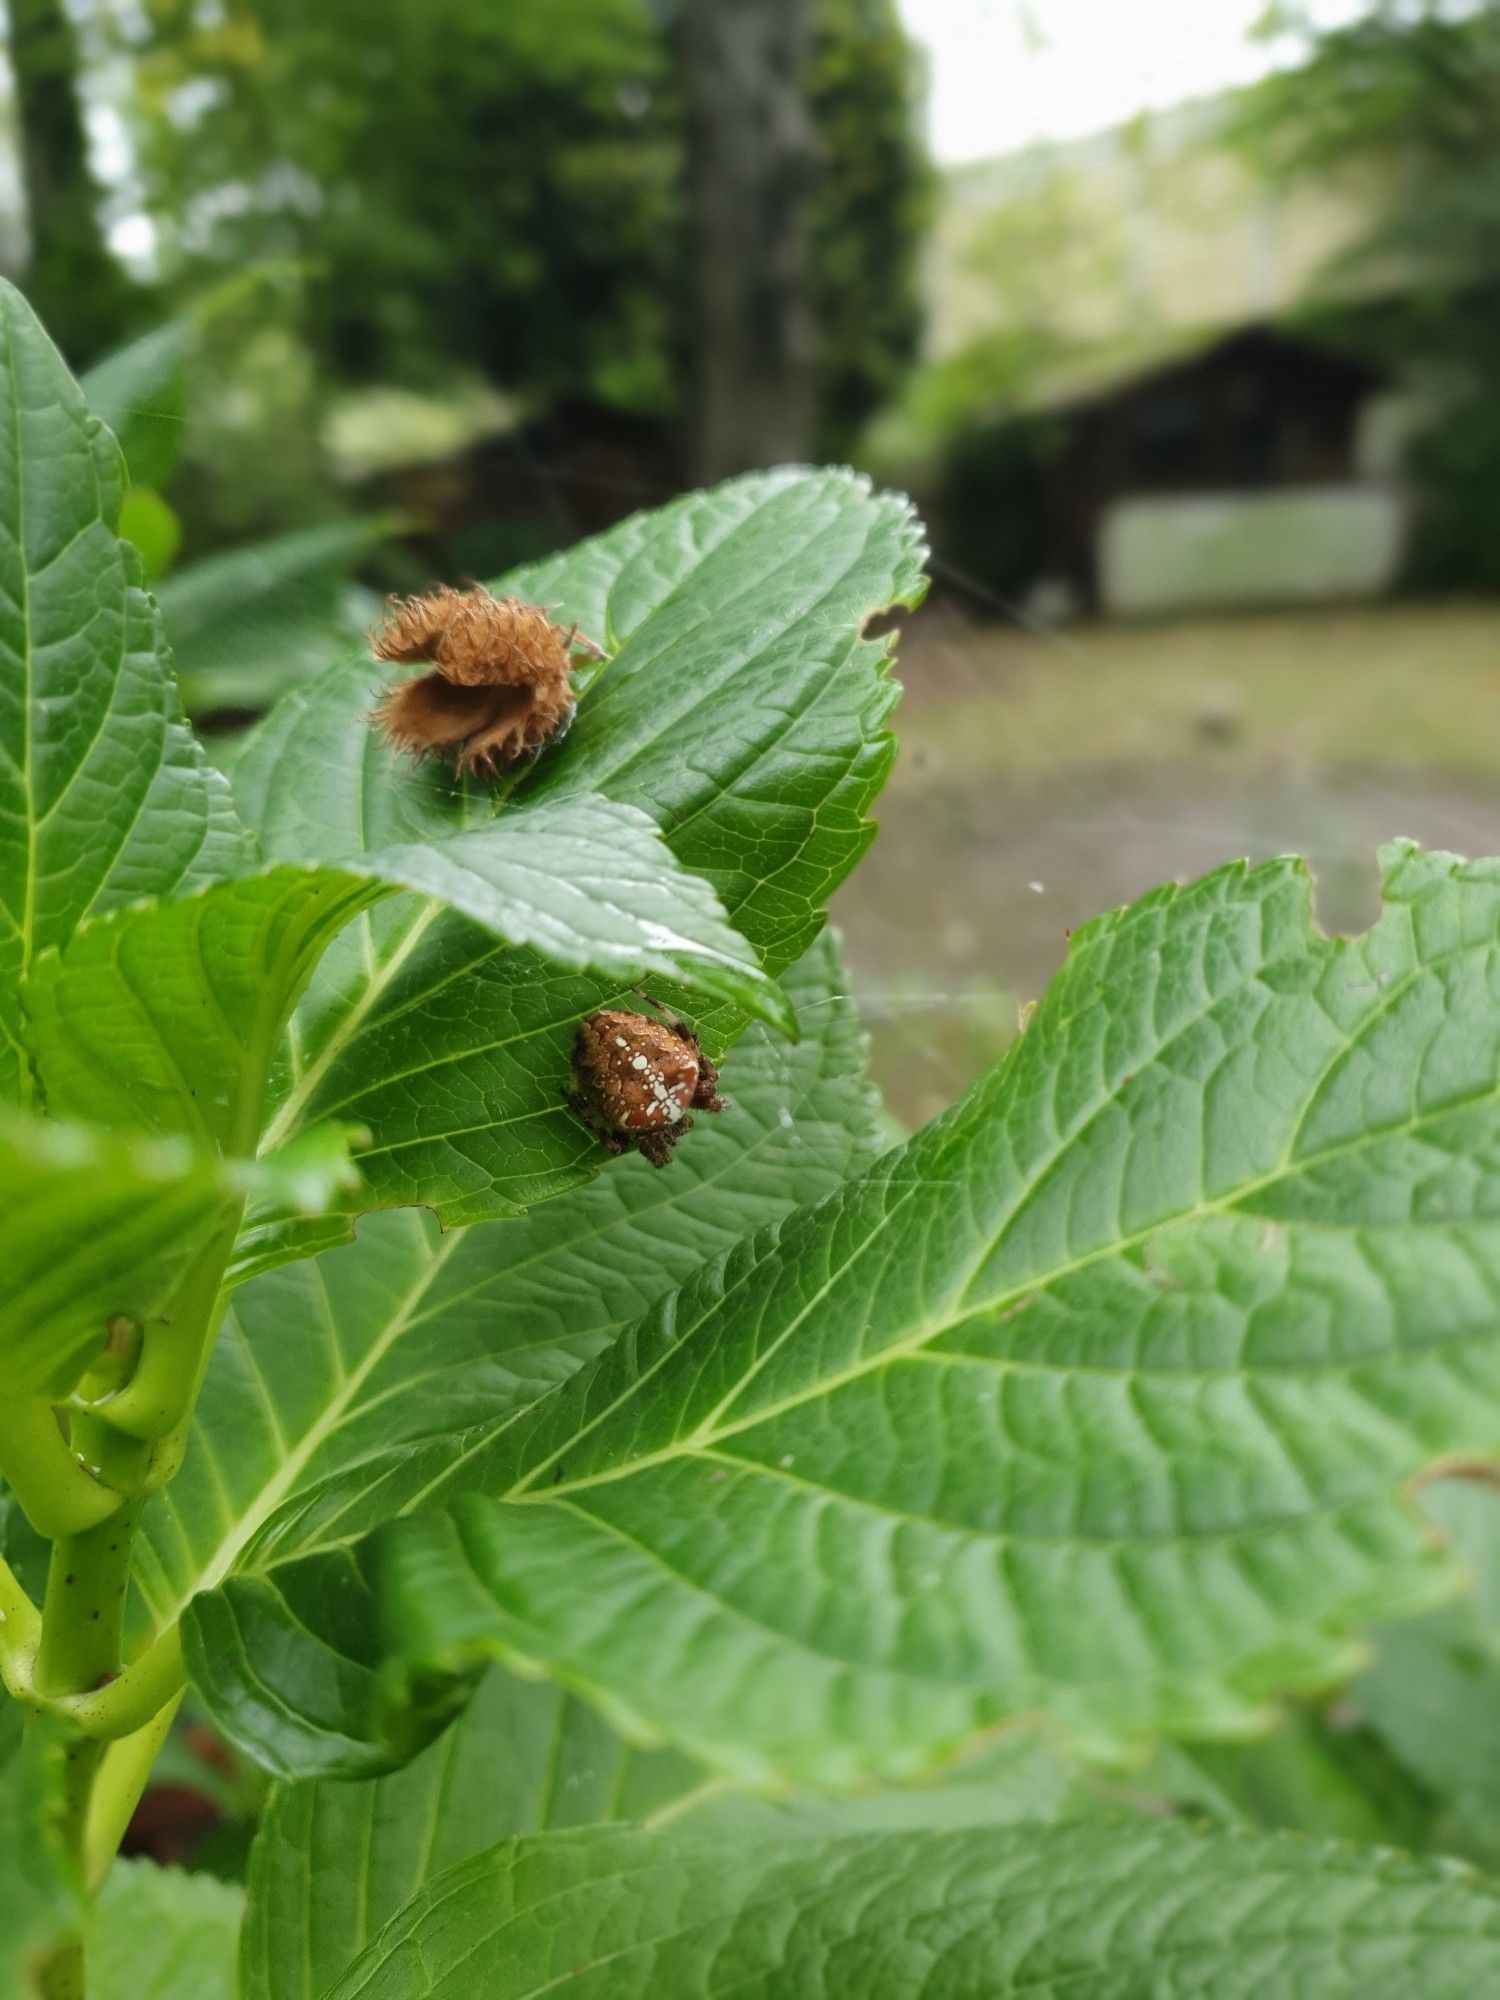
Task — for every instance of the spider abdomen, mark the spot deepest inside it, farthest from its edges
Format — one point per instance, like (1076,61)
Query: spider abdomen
(636,1079)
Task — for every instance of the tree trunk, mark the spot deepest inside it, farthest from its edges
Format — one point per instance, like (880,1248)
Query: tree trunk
(73,282)
(750,159)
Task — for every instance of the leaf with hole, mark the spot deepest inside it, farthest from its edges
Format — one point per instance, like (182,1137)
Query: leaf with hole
(1100,1399)
(742,710)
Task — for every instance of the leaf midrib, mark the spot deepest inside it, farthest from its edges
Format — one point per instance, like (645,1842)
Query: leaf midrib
(27,928)
(419,1313)
(296,1100)
(214,1568)
(711,1434)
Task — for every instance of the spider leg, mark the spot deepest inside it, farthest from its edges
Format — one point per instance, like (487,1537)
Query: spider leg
(657,1146)
(669,1019)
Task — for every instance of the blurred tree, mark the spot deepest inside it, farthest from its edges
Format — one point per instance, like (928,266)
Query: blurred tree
(1412,89)
(1410,94)
(503,187)
(871,198)
(474,185)
(74,283)
(750,156)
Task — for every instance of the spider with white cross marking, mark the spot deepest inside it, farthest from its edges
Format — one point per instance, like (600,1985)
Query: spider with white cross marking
(635,1080)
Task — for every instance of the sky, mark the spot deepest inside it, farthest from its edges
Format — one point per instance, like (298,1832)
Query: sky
(1006,72)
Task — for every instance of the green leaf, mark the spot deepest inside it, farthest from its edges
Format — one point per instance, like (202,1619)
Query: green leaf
(344,1390)
(1432,1691)
(743,711)
(104,795)
(38,1892)
(266,1242)
(166,1017)
(153,529)
(95,1226)
(140,391)
(91,1227)
(334,1862)
(1096,1911)
(157,1934)
(289,1666)
(1099,1399)
(1312,1774)
(289,1219)
(252,621)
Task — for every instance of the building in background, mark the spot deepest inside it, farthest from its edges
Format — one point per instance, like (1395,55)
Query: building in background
(1250,471)
(1171,441)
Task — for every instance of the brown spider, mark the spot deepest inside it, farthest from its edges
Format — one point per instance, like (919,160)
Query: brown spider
(636,1079)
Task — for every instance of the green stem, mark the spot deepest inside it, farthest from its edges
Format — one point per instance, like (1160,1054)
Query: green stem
(119,1709)
(83,1622)
(123,1773)
(61,1978)
(81,1761)
(161,1393)
(121,1464)
(56,1494)
(83,1617)
(69,1660)
(20,1635)
(127,1703)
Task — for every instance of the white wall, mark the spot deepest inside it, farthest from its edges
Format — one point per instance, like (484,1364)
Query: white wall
(1227,551)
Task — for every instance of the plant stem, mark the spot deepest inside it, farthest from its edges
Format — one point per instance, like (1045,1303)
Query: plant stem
(158,1398)
(121,1778)
(20,1630)
(83,1617)
(68,1660)
(62,1976)
(83,1622)
(56,1494)
(124,1707)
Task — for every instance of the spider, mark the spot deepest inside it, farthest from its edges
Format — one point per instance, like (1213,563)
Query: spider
(636,1079)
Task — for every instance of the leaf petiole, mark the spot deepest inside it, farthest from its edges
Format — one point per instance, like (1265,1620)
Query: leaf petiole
(134,1697)
(55,1491)
(20,1630)
(121,1778)
(160,1395)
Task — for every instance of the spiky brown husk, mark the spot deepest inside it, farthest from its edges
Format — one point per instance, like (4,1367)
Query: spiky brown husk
(499,686)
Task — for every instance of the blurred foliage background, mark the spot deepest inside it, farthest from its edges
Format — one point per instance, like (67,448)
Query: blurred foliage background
(413,289)
(456,265)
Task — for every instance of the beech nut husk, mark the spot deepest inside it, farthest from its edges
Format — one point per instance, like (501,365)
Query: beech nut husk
(499,688)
